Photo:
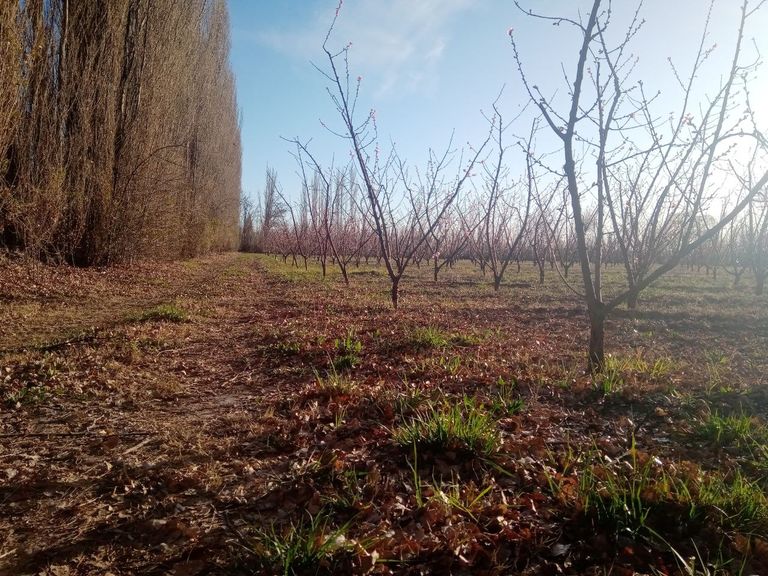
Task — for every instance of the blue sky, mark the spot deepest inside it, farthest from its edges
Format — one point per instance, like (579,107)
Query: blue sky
(429,67)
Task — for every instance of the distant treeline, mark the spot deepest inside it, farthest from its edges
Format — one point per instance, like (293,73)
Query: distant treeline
(119,133)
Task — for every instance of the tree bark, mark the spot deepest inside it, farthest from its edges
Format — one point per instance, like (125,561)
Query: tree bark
(597,338)
(395,291)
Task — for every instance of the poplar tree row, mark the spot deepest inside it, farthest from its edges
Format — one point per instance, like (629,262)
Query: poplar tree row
(119,133)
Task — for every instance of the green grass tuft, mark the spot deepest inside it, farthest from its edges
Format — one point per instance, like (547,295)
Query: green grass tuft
(163,313)
(429,337)
(464,426)
(298,548)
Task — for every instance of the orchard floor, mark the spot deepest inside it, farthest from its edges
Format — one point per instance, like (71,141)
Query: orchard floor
(235,415)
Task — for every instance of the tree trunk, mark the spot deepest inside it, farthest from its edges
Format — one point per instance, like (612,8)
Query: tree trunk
(596,340)
(395,293)
(632,299)
(496,282)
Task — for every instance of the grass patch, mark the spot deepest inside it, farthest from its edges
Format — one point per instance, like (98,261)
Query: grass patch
(643,501)
(334,383)
(27,395)
(163,313)
(464,426)
(288,347)
(309,546)
(618,371)
(504,400)
(429,337)
(622,500)
(739,430)
(347,352)
(611,378)
(740,503)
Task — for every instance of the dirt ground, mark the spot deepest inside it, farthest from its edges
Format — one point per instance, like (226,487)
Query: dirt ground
(235,415)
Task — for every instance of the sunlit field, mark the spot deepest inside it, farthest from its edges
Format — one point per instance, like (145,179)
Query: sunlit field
(259,419)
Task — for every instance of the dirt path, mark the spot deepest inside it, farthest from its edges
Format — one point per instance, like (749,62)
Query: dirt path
(130,474)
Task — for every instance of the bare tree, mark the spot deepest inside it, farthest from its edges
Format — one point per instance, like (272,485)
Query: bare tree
(506,213)
(272,210)
(676,176)
(400,235)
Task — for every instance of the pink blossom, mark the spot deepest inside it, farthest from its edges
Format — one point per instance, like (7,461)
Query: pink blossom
(511,31)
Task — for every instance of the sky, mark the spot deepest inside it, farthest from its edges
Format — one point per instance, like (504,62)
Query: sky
(431,68)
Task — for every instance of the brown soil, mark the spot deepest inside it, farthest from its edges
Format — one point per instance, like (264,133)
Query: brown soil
(130,445)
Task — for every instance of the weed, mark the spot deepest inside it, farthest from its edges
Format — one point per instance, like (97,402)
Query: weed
(623,500)
(303,546)
(460,496)
(616,369)
(288,347)
(417,488)
(163,313)
(334,383)
(451,364)
(504,399)
(615,500)
(464,340)
(350,489)
(717,365)
(348,351)
(429,337)
(565,462)
(30,394)
(338,417)
(740,503)
(463,426)
(661,367)
(408,399)
(733,430)
(611,378)
(697,565)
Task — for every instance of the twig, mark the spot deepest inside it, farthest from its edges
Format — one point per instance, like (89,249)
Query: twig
(139,445)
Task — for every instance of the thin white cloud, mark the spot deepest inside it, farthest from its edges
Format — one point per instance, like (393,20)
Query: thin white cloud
(397,44)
